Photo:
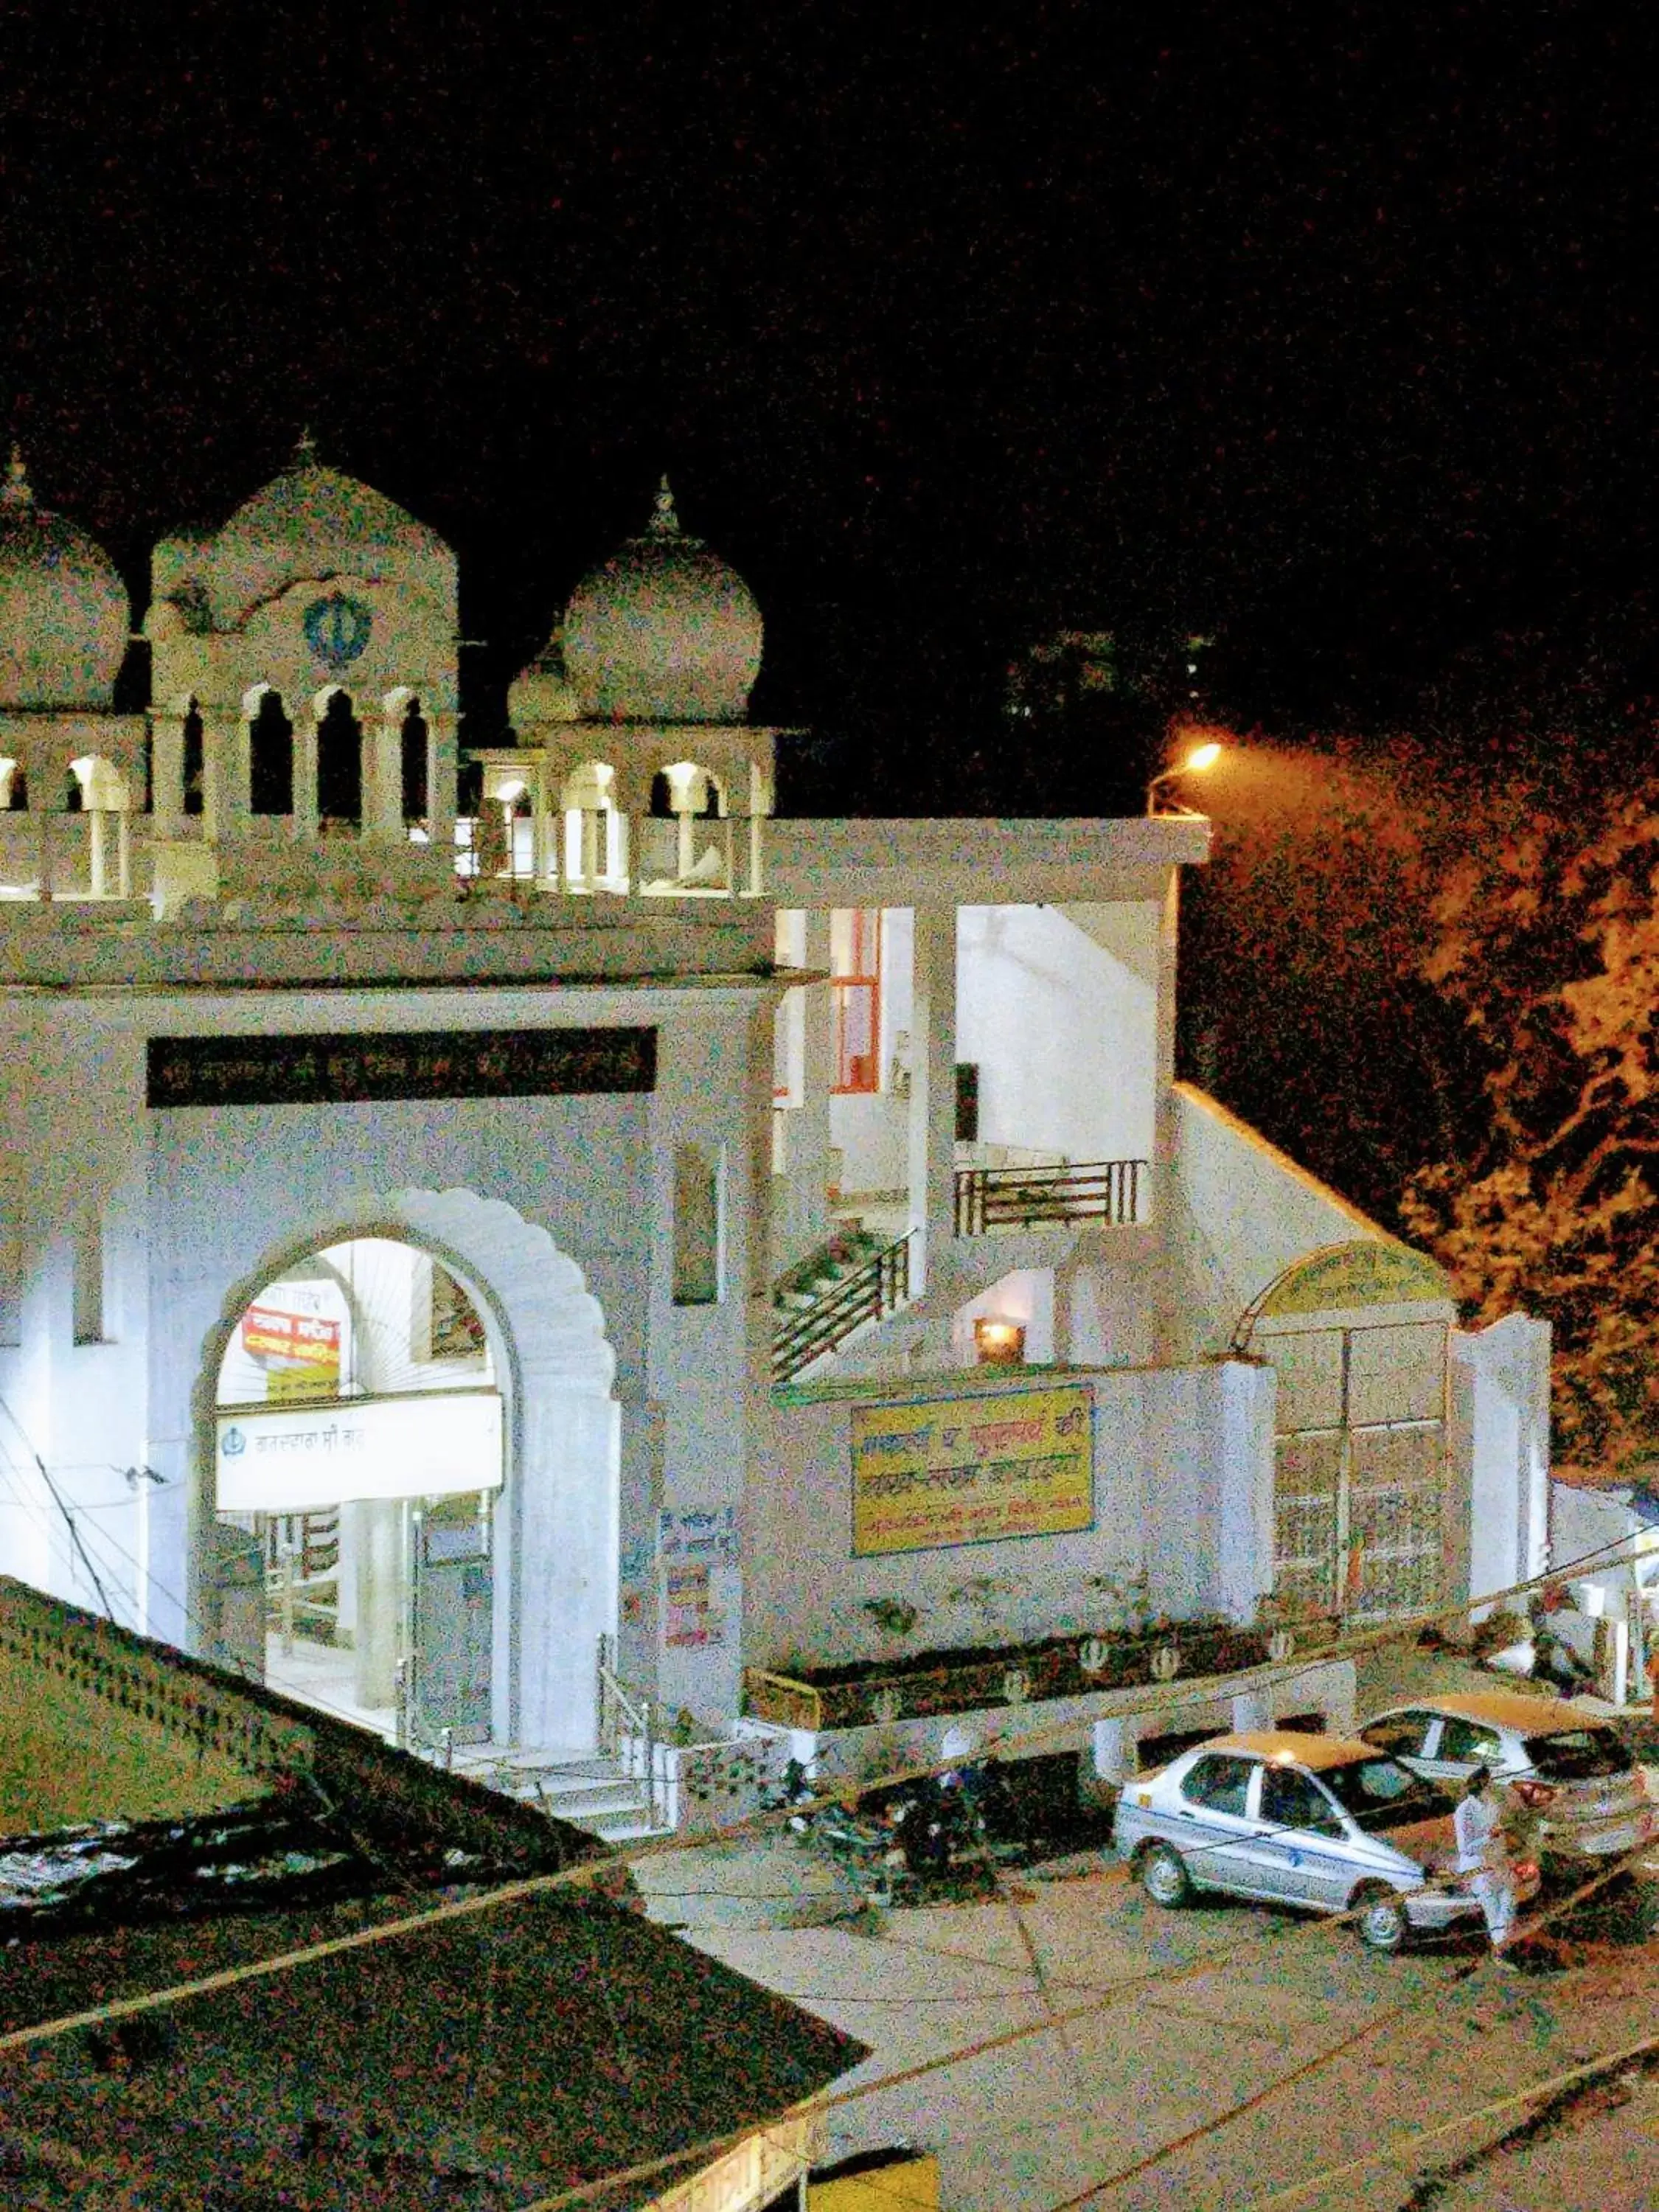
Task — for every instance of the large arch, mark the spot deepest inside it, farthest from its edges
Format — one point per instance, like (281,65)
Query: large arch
(557,1548)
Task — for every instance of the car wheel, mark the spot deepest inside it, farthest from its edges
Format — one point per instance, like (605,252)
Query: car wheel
(1379,1917)
(1164,1878)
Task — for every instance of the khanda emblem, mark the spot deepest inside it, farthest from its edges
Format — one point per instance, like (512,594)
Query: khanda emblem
(337,629)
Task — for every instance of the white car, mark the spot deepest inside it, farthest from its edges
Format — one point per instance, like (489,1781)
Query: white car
(1302,1819)
(1572,1772)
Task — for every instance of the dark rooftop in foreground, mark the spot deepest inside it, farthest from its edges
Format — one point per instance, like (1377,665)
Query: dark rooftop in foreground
(478,2061)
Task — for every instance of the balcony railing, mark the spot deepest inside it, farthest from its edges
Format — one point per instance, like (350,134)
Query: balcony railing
(805,1333)
(1024,1198)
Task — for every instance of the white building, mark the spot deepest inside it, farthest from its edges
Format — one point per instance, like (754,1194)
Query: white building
(428,1249)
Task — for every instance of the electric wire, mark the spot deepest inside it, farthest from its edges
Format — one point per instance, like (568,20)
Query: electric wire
(1174,1695)
(112,1545)
(1225,2118)
(1405,2150)
(1054,2016)
(566,2200)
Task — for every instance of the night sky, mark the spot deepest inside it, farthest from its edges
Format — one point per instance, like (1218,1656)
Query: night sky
(1329,333)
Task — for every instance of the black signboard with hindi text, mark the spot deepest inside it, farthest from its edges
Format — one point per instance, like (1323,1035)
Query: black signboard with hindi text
(347,1068)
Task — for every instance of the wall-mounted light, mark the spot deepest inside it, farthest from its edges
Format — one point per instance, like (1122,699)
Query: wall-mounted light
(999,1343)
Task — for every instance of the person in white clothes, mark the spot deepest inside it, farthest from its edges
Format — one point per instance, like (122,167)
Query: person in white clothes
(1483,1855)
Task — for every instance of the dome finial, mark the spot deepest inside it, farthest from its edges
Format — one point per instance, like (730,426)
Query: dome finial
(665,518)
(17,490)
(305,450)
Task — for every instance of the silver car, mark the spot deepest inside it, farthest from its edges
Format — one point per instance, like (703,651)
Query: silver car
(1571,1772)
(1303,1821)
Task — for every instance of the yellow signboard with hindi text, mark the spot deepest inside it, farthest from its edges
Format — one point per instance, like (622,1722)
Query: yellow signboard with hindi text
(976,1469)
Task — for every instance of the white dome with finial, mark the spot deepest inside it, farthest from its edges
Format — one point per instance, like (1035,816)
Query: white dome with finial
(664,632)
(65,614)
(315,522)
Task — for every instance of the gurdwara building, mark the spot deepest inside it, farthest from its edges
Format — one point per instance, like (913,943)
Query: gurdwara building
(615,1271)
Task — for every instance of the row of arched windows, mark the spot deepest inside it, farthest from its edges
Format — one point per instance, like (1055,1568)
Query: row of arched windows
(339,796)
(93,784)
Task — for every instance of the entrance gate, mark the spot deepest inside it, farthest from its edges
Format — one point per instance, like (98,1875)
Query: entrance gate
(1358,1335)
(1359,1456)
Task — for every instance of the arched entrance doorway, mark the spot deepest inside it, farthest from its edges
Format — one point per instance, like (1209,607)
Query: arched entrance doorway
(414,1460)
(360,1446)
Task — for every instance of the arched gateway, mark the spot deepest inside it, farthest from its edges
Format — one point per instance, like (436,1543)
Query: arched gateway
(408,1451)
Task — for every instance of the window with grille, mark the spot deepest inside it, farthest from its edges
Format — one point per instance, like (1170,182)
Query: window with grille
(856,986)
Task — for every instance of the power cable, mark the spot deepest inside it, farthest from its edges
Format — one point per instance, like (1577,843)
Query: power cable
(1219,2120)
(1404,2149)
(1170,1699)
(57,1497)
(112,1543)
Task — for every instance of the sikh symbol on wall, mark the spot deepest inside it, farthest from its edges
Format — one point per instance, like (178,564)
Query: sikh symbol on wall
(337,629)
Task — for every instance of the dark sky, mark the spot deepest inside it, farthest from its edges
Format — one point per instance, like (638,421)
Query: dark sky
(1329,331)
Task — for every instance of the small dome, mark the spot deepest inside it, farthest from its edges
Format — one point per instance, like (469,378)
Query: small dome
(313,521)
(664,632)
(541,692)
(65,614)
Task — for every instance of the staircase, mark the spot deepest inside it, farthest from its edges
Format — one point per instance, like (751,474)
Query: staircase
(590,1790)
(817,1304)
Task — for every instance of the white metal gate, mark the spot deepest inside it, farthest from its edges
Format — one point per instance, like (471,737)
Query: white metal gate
(1360,1467)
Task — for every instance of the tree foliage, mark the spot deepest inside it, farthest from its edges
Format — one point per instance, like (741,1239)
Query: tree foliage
(1547,944)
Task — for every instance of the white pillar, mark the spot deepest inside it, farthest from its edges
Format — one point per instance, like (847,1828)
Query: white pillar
(1161,1196)
(95,880)
(122,856)
(227,799)
(933,1120)
(378,1557)
(440,769)
(543,844)
(304,816)
(167,776)
(383,783)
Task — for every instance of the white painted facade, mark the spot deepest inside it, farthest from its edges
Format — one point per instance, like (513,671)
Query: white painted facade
(621,1246)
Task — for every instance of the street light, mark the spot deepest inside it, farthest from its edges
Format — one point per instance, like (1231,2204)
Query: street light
(1200,758)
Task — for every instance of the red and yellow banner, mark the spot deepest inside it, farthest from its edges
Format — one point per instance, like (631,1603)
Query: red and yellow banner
(300,1352)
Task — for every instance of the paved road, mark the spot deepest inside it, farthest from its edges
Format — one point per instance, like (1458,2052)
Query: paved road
(1188,2014)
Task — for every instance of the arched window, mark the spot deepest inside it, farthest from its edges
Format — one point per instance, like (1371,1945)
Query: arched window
(193,759)
(413,746)
(14,787)
(339,765)
(593,851)
(683,858)
(270,757)
(697,1256)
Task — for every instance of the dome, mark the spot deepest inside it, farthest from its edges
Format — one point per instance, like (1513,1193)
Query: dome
(664,632)
(65,614)
(314,521)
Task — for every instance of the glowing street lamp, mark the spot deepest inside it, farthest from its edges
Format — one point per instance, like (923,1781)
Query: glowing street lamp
(1200,757)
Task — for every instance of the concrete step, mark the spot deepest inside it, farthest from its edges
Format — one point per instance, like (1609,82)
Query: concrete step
(586,1801)
(587,1789)
(621,1829)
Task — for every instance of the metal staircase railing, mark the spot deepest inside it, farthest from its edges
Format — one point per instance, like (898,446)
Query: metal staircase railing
(1023,1197)
(628,1729)
(868,1292)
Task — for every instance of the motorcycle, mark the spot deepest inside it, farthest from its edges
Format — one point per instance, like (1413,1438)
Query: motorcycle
(862,1848)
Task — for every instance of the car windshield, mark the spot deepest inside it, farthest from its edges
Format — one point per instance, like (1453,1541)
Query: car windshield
(1582,1754)
(1381,1793)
